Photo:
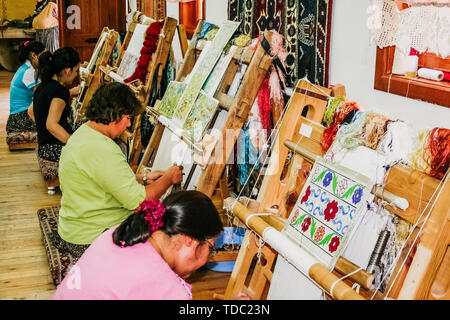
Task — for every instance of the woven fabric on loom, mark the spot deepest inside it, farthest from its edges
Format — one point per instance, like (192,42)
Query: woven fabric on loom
(305,26)
(327,210)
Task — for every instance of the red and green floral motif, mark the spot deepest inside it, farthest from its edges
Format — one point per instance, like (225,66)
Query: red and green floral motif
(306,223)
(331,210)
(317,234)
(306,196)
(320,232)
(328,177)
(334,244)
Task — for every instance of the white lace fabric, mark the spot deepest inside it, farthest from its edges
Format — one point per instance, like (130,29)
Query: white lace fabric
(422,26)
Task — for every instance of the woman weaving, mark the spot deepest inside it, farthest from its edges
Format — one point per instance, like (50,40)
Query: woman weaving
(99,188)
(150,254)
(20,126)
(51,101)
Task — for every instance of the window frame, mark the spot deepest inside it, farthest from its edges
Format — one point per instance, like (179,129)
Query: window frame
(437,92)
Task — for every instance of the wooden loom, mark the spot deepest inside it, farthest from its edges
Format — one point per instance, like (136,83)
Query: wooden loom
(211,180)
(143,91)
(92,79)
(424,276)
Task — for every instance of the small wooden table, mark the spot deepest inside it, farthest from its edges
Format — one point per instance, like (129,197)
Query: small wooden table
(8,49)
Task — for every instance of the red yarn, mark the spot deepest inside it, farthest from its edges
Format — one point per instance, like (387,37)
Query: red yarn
(329,133)
(439,146)
(150,45)
(264,105)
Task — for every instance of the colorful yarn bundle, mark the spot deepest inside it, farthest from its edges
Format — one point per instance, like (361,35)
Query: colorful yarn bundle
(419,155)
(397,143)
(150,45)
(439,151)
(329,134)
(373,130)
(328,115)
(265,108)
(276,77)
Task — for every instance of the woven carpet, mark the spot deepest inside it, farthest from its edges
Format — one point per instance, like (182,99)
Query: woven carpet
(49,169)
(59,262)
(305,25)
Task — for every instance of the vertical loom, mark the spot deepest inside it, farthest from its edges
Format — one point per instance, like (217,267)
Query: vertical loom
(212,180)
(143,90)
(92,80)
(424,275)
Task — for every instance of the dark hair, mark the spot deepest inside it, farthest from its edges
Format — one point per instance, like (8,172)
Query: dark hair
(51,64)
(190,213)
(112,101)
(27,47)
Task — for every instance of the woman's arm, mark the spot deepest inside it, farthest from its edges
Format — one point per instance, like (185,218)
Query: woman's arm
(31,112)
(158,187)
(54,116)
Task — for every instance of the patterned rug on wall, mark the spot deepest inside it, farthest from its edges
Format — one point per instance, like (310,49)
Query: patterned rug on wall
(305,25)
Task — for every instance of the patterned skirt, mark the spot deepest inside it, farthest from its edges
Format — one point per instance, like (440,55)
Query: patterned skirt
(76,250)
(20,129)
(50,152)
(49,37)
(20,122)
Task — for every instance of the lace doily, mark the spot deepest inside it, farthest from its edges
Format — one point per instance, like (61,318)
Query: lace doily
(422,27)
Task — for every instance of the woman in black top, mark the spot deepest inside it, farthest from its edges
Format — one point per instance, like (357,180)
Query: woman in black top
(51,101)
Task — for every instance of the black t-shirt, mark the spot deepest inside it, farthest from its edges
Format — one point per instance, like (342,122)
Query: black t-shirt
(42,99)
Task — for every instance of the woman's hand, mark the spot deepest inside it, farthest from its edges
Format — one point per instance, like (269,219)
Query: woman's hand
(75,91)
(155,175)
(242,296)
(175,173)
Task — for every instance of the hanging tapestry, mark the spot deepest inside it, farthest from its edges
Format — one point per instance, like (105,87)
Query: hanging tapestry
(305,25)
(327,210)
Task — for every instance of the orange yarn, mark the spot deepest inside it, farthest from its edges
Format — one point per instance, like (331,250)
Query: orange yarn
(439,151)
(330,133)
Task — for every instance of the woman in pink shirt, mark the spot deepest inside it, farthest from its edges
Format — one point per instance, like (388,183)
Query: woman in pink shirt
(149,255)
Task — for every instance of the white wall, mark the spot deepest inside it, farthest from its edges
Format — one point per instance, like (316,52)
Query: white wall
(352,63)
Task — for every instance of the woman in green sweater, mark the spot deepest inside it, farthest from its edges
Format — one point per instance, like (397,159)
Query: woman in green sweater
(99,189)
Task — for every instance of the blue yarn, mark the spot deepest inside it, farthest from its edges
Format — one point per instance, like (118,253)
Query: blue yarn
(205,28)
(247,155)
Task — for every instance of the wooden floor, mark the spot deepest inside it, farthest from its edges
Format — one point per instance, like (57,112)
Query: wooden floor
(24,270)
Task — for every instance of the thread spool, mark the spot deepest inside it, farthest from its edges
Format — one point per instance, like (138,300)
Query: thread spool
(411,64)
(378,250)
(431,74)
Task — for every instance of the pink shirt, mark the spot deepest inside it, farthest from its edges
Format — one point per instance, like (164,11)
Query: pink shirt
(106,271)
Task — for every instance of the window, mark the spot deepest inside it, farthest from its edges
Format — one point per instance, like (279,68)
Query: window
(437,92)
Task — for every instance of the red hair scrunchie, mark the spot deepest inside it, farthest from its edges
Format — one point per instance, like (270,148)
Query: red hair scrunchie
(154,211)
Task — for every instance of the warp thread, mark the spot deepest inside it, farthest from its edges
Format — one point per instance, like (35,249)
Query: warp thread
(149,47)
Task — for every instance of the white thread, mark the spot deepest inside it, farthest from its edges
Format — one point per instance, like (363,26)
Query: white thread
(340,279)
(255,214)
(356,287)
(421,228)
(409,235)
